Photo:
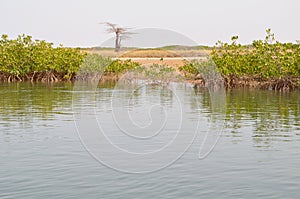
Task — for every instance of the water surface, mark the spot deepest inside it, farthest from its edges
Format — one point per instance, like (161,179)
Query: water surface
(257,155)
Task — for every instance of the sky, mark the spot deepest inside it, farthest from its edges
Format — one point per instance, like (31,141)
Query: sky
(75,23)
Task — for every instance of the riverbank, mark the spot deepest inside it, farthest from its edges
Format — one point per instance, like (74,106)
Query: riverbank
(187,69)
(282,84)
(197,72)
(265,64)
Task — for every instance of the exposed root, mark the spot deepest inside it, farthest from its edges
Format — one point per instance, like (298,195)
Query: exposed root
(36,77)
(280,84)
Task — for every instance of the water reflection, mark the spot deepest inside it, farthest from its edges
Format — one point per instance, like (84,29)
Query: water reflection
(41,153)
(267,116)
(271,116)
(23,103)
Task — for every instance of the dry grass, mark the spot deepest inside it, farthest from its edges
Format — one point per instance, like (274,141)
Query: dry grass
(150,53)
(192,53)
(107,52)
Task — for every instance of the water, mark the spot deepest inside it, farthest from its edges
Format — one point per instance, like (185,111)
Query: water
(257,155)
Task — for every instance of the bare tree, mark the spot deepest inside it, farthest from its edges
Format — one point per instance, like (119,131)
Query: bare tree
(121,33)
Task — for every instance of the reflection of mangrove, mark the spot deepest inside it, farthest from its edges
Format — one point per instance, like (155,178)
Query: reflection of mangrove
(272,114)
(137,91)
(163,93)
(26,101)
(107,82)
(269,115)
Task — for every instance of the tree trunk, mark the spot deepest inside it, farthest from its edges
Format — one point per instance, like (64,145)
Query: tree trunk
(117,42)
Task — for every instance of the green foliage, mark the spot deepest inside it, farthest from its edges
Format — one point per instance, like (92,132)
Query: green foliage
(189,70)
(157,73)
(95,63)
(119,66)
(206,68)
(264,59)
(24,58)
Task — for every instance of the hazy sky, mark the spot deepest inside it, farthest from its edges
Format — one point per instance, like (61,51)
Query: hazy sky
(75,22)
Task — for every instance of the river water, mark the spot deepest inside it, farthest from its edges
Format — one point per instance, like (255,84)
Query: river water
(49,146)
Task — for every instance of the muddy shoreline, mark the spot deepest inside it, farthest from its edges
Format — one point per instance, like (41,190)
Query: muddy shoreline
(283,84)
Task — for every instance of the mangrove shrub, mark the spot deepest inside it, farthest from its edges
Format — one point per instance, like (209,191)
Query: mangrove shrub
(37,60)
